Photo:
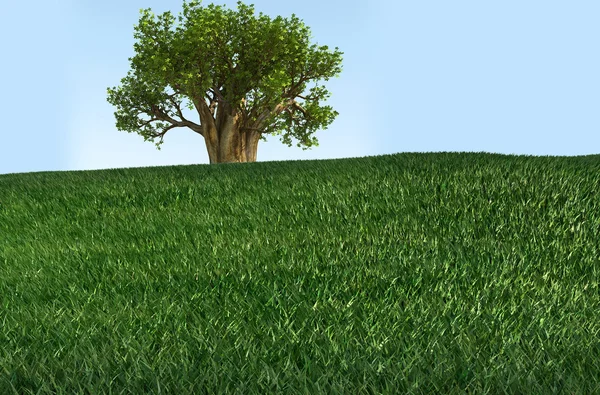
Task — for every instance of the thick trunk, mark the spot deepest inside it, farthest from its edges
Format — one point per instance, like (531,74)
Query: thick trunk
(232,143)
(225,138)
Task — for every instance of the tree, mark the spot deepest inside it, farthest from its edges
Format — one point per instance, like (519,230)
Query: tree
(244,76)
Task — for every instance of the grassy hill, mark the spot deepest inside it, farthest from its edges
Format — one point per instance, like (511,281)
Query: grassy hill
(405,273)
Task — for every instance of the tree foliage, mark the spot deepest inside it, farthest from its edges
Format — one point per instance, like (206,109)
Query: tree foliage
(232,62)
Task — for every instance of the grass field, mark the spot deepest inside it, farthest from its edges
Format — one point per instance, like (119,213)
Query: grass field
(407,273)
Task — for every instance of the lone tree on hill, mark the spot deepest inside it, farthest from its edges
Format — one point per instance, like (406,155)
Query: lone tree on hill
(243,75)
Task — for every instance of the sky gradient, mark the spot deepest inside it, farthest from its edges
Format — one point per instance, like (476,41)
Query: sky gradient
(512,77)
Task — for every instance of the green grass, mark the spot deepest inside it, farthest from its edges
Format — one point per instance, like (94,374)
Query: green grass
(407,273)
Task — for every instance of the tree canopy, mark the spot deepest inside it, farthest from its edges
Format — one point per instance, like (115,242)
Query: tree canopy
(245,76)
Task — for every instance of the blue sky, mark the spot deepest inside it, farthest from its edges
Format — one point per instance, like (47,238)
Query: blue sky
(512,77)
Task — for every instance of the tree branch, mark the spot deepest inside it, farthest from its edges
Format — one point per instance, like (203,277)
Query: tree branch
(176,104)
(291,113)
(212,107)
(292,92)
(144,123)
(297,105)
(217,94)
(162,134)
(165,130)
(220,43)
(306,98)
(266,113)
(163,116)
(244,110)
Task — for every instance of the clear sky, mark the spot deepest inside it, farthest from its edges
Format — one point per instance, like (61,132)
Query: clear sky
(512,76)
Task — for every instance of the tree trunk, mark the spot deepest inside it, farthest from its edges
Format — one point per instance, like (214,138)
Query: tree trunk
(226,139)
(233,144)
